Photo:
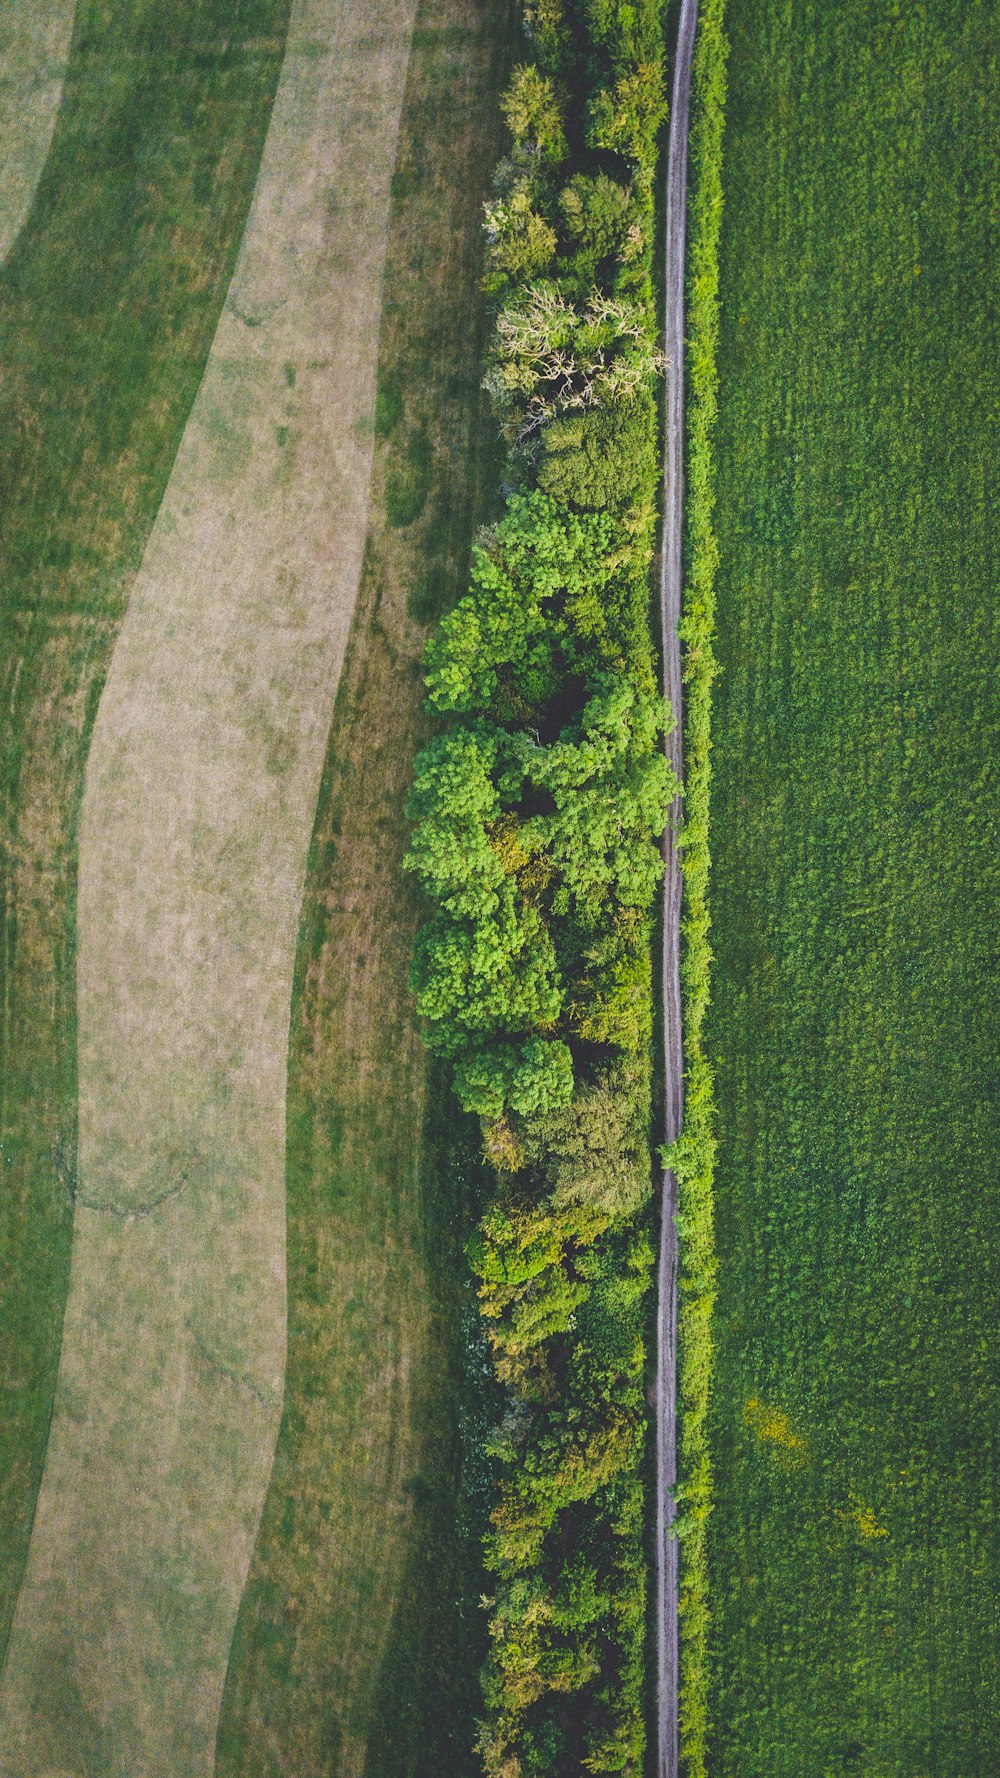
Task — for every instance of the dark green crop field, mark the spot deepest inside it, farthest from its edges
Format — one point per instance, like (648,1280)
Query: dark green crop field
(854,1546)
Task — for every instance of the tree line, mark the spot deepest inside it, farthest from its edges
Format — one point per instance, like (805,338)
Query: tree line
(538,809)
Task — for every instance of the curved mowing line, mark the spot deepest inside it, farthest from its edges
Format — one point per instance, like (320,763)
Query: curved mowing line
(34,46)
(201,788)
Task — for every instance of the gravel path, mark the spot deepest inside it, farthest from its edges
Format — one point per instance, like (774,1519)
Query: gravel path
(670,608)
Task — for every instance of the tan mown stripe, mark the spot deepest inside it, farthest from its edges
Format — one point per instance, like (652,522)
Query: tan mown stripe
(202,783)
(360,1636)
(34,47)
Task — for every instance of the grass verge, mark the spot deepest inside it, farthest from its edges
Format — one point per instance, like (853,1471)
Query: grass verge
(855,1551)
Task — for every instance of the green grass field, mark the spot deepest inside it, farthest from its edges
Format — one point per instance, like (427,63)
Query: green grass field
(108,305)
(854,1544)
(360,1636)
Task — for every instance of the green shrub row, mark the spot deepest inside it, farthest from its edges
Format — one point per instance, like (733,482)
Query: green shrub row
(537,812)
(694,1156)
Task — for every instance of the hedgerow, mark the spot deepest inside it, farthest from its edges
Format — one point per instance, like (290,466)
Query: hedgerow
(538,809)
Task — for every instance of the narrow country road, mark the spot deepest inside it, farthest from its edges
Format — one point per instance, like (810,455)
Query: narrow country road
(667,1651)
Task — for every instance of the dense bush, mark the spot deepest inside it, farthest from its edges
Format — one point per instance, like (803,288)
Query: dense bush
(537,814)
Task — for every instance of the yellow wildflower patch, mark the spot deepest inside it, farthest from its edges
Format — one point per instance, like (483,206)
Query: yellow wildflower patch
(864,1519)
(773,1426)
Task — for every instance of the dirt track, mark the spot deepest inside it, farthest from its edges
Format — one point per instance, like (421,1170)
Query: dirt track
(670,610)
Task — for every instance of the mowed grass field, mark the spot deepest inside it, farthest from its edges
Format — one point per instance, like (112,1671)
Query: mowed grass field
(201,788)
(108,305)
(854,1545)
(360,1635)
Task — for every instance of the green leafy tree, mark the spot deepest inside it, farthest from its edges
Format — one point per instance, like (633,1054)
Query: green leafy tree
(453,804)
(520,244)
(593,1154)
(610,997)
(496,974)
(534,115)
(604,457)
(549,31)
(507,645)
(579,1599)
(601,226)
(529,1078)
(611,789)
(625,117)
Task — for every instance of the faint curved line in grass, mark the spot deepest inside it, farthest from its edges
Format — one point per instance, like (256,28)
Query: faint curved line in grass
(34,50)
